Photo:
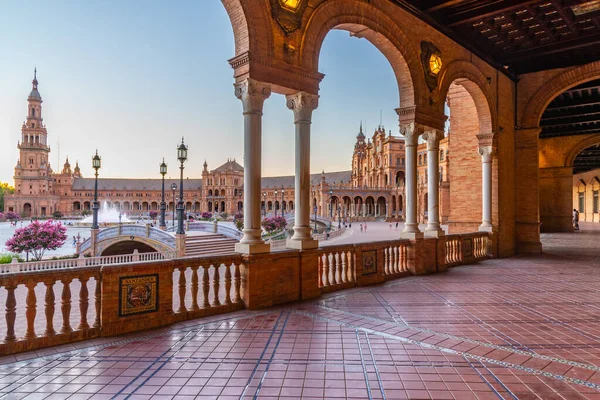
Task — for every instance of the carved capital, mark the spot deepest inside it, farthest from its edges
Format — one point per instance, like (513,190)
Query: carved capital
(411,132)
(302,104)
(486,153)
(252,94)
(433,138)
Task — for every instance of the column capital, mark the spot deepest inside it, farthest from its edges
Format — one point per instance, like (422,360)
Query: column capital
(486,153)
(411,132)
(252,94)
(302,104)
(433,137)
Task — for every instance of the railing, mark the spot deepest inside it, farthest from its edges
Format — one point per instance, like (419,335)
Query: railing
(82,262)
(395,259)
(47,322)
(206,226)
(332,234)
(466,248)
(130,230)
(206,286)
(337,267)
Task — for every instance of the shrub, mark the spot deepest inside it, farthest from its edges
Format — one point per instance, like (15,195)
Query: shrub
(85,213)
(57,215)
(272,224)
(6,258)
(153,214)
(38,237)
(206,215)
(238,221)
(2,216)
(11,216)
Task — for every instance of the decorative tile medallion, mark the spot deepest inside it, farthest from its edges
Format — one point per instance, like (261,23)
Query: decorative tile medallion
(468,247)
(369,262)
(138,294)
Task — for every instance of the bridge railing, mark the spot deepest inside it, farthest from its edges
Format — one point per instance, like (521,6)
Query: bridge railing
(130,230)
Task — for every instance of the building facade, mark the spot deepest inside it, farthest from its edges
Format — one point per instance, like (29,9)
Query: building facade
(373,188)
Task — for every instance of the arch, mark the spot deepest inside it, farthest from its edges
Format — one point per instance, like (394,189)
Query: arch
(76,206)
(366,21)
(473,80)
(26,210)
(188,206)
(210,192)
(196,206)
(222,206)
(136,206)
(393,203)
(549,90)
(269,206)
(223,192)
(128,247)
(579,147)
(250,37)
(126,206)
(210,206)
(117,206)
(400,204)
(86,205)
(154,205)
(290,205)
(400,178)
(240,206)
(145,206)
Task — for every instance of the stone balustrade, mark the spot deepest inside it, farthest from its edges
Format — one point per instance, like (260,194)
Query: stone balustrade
(112,299)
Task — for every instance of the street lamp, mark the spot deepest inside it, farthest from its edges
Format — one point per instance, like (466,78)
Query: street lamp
(315,210)
(264,204)
(120,218)
(96,164)
(275,202)
(339,217)
(182,157)
(330,203)
(163,172)
(282,202)
(173,188)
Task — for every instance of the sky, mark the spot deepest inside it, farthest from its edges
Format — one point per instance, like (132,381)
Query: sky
(130,78)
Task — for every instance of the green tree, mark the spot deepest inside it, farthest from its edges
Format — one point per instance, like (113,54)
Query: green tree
(5,189)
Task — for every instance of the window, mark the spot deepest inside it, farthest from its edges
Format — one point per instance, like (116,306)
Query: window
(398,161)
(581,202)
(595,202)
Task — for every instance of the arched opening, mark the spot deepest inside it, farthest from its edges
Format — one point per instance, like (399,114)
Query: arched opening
(87,205)
(381,209)
(210,206)
(127,247)
(76,206)
(393,203)
(26,210)
(222,206)
(369,206)
(358,206)
(400,178)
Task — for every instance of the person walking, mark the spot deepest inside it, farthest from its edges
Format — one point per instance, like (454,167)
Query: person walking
(365,227)
(396,225)
(361,228)
(575,219)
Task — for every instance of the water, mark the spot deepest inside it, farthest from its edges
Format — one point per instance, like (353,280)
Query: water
(106,216)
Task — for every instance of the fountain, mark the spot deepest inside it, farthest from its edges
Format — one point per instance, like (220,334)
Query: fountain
(106,216)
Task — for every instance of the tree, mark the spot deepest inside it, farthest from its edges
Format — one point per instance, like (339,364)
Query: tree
(11,216)
(38,237)
(5,189)
(86,213)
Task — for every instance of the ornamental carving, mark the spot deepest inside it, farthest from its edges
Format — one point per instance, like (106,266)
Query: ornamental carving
(431,61)
(411,133)
(252,94)
(302,104)
(433,138)
(486,153)
(288,13)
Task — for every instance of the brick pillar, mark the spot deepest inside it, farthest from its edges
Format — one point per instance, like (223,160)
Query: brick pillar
(93,240)
(180,245)
(423,256)
(556,199)
(528,209)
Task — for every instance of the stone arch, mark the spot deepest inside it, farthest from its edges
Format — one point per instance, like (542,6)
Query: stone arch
(549,90)
(250,37)
(366,21)
(579,147)
(473,80)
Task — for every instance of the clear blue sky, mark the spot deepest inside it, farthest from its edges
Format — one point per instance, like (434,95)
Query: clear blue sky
(130,78)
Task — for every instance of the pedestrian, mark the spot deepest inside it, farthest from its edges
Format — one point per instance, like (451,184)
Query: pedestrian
(365,227)
(575,220)
(74,241)
(396,225)
(390,226)
(361,228)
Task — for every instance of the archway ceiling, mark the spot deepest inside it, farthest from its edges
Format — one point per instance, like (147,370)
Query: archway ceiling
(520,35)
(587,160)
(574,112)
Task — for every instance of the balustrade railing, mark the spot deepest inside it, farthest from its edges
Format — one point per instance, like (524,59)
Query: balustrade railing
(466,248)
(337,267)
(395,259)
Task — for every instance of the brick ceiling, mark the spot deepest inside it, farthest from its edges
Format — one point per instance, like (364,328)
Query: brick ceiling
(520,35)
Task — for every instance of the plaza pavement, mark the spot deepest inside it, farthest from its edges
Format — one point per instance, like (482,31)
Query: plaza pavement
(527,327)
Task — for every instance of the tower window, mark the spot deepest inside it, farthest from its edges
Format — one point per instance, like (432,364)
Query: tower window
(33,112)
(33,125)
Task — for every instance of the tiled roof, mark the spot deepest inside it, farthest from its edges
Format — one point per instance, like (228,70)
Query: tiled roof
(134,184)
(288,181)
(230,165)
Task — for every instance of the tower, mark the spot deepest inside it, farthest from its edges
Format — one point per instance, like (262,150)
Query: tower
(359,157)
(33,174)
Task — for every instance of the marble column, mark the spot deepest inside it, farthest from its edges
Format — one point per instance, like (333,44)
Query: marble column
(302,104)
(433,182)
(411,134)
(486,187)
(253,95)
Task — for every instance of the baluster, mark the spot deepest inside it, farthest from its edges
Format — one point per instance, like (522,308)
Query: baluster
(337,273)
(205,287)
(182,308)
(215,285)
(66,306)
(83,304)
(460,253)
(325,270)
(195,288)
(397,267)
(320,269)
(227,284)
(11,313)
(49,305)
(31,310)
(344,271)
(97,301)
(237,284)
(351,267)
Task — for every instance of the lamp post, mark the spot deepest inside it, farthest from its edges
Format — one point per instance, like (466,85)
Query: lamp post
(315,210)
(282,202)
(339,210)
(264,204)
(330,203)
(96,163)
(276,202)
(173,188)
(163,172)
(120,218)
(182,157)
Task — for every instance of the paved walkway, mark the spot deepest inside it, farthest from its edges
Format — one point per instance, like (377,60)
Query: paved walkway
(526,328)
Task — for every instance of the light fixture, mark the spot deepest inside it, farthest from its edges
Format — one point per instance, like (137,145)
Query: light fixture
(435,64)
(291,5)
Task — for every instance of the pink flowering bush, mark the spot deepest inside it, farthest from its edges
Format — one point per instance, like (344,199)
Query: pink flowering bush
(273,224)
(2,218)
(38,237)
(206,215)
(153,214)
(11,216)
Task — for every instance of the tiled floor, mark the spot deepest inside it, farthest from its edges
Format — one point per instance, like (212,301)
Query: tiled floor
(526,328)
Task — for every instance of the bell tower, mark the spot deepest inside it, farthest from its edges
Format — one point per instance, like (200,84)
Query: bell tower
(33,174)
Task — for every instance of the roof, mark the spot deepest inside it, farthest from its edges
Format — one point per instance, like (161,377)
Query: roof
(288,181)
(134,184)
(229,166)
(35,94)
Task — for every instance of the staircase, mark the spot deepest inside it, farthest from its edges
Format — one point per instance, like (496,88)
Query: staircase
(211,244)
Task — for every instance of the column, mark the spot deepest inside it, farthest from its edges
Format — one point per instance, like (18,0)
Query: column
(411,227)
(253,95)
(433,183)
(302,104)
(486,187)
